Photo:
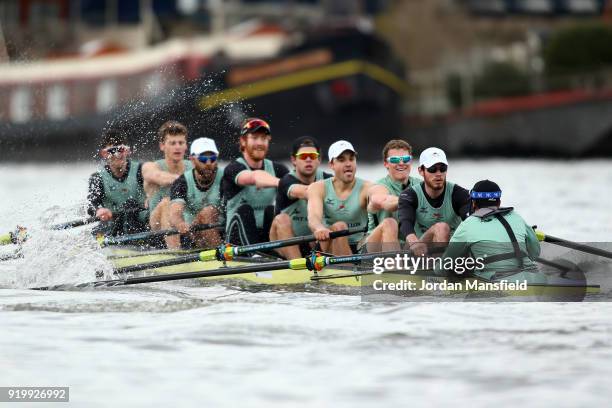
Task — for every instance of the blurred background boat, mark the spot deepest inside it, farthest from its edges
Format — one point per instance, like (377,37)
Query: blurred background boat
(475,77)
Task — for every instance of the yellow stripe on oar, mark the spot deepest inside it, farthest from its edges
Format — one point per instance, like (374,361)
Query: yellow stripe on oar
(209,255)
(6,239)
(541,236)
(297,264)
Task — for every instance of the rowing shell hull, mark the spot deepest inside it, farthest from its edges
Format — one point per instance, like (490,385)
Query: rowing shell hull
(360,280)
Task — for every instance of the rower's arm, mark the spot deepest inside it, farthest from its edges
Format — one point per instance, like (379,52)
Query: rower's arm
(298,191)
(381,200)
(461,201)
(95,194)
(178,200)
(406,207)
(152,174)
(258,178)
(316,192)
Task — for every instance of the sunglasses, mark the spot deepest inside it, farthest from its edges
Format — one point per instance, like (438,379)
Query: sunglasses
(114,150)
(399,159)
(437,167)
(255,124)
(204,158)
(307,155)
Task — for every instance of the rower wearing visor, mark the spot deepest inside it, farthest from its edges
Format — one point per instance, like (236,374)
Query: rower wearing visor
(159,175)
(116,195)
(499,236)
(430,211)
(383,197)
(196,199)
(249,186)
(291,199)
(339,202)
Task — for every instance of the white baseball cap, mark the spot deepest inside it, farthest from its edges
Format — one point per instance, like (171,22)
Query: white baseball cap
(203,144)
(431,156)
(339,147)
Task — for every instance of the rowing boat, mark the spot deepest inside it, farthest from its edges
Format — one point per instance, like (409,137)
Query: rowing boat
(354,279)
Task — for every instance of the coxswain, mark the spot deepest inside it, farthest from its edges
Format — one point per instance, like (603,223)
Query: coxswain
(291,199)
(116,195)
(196,199)
(339,202)
(507,245)
(249,186)
(429,212)
(159,175)
(383,197)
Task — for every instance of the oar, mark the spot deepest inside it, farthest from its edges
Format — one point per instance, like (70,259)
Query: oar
(20,234)
(227,252)
(573,245)
(74,223)
(105,241)
(295,264)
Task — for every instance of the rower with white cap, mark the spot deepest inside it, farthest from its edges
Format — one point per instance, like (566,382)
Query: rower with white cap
(195,196)
(432,210)
(339,202)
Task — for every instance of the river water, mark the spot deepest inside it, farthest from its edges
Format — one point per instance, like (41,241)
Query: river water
(181,344)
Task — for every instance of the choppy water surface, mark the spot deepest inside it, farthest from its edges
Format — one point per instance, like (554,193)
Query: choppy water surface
(185,345)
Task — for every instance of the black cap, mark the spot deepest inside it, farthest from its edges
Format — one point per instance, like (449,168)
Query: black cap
(485,191)
(304,141)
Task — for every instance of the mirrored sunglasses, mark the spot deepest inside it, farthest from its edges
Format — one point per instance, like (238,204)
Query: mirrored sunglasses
(399,159)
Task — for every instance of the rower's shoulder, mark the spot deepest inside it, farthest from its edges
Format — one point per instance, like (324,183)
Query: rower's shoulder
(279,169)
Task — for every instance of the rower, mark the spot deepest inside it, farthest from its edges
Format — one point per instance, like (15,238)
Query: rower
(159,175)
(291,199)
(116,194)
(249,186)
(430,211)
(498,235)
(339,202)
(383,196)
(195,197)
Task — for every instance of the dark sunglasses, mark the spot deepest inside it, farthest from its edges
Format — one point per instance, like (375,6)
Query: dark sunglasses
(113,150)
(436,167)
(204,158)
(255,124)
(307,155)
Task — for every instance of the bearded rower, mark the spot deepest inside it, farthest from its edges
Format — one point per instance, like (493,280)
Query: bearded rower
(116,195)
(249,186)
(195,197)
(500,236)
(430,212)
(291,199)
(339,202)
(383,197)
(159,175)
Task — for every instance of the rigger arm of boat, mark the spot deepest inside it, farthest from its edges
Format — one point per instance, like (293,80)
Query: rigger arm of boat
(227,252)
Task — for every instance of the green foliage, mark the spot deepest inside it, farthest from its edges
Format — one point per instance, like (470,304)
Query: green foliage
(578,49)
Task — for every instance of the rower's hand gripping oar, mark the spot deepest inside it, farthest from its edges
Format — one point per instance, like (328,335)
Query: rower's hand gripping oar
(573,245)
(227,252)
(106,241)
